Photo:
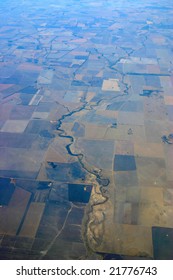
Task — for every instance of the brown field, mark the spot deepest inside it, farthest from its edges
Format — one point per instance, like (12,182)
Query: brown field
(32,220)
(11,215)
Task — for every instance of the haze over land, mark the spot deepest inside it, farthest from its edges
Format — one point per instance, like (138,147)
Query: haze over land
(86,117)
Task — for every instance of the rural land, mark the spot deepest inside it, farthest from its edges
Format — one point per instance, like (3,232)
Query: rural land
(86,129)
